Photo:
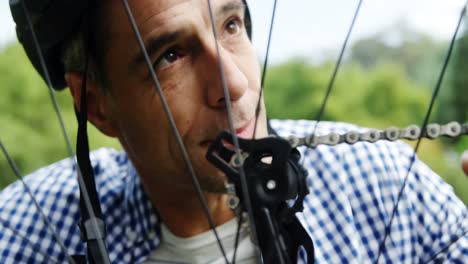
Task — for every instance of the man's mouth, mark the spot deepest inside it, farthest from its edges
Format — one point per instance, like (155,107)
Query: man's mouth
(246,131)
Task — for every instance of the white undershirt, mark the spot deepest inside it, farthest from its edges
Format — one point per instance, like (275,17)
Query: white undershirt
(203,248)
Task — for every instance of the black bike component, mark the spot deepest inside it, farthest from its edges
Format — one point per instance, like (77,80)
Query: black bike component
(274,179)
(54,21)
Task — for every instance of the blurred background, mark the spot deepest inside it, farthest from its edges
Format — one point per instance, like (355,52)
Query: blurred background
(390,69)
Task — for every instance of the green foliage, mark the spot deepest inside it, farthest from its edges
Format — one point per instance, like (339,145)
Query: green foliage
(417,54)
(456,99)
(30,130)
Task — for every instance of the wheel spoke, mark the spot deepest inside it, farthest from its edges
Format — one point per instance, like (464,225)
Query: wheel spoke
(337,67)
(247,202)
(265,66)
(227,98)
(173,125)
(423,128)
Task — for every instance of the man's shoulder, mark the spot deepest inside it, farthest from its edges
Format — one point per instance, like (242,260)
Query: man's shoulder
(55,190)
(61,176)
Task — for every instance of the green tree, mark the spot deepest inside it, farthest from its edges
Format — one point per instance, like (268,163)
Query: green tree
(418,54)
(456,100)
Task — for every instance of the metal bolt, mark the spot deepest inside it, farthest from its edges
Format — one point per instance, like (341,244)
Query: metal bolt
(233,201)
(271,185)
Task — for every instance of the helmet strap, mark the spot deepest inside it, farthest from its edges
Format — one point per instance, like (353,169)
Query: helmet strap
(91,226)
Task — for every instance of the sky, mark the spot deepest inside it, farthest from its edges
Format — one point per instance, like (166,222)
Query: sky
(309,28)
(312,28)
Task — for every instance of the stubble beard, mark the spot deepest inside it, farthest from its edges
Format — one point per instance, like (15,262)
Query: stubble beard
(213,183)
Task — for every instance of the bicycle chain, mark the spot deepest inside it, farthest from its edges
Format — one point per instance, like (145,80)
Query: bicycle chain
(412,132)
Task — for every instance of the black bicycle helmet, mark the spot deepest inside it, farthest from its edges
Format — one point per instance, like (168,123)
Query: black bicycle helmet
(54,21)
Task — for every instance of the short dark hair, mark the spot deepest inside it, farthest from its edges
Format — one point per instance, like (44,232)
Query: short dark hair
(89,44)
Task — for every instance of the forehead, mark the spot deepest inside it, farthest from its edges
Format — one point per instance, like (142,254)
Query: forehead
(159,12)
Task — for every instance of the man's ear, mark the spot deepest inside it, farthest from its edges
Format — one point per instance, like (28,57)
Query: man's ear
(99,111)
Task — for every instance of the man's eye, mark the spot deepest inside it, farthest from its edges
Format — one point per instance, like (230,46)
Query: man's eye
(233,27)
(167,58)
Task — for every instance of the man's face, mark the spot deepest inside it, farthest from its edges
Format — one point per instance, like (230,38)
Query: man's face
(179,38)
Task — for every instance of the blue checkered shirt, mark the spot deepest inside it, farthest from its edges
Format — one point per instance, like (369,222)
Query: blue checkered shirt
(353,190)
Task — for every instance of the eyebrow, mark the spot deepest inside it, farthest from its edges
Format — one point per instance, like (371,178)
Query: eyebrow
(234,5)
(154,44)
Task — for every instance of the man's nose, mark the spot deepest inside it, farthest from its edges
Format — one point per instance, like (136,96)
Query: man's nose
(220,71)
